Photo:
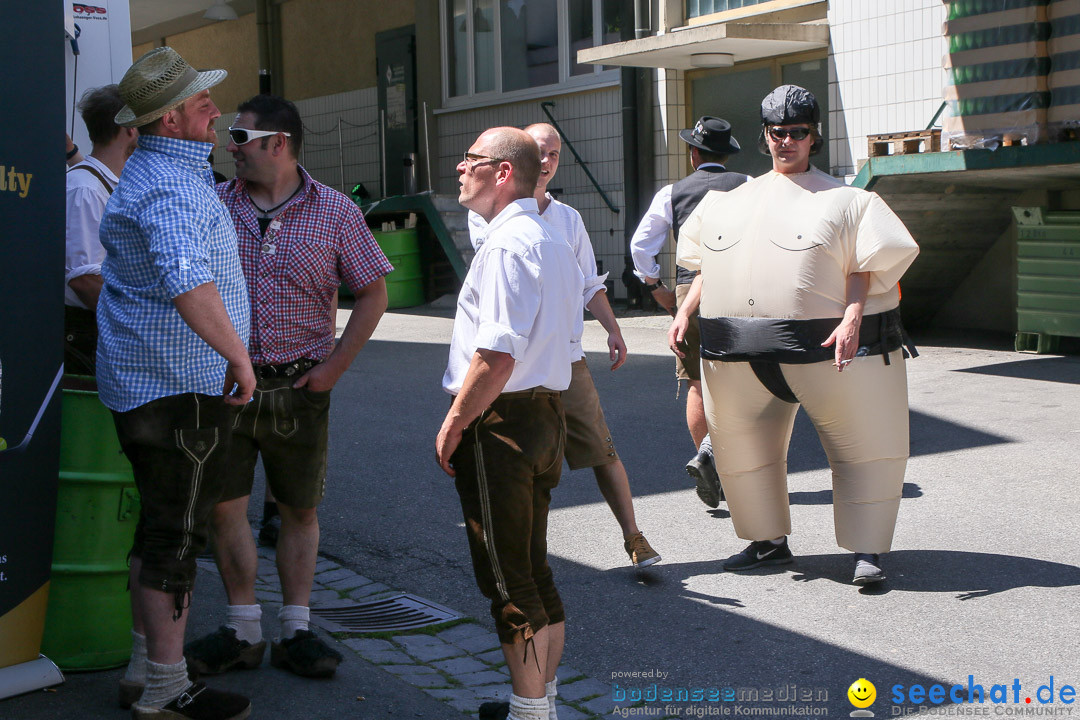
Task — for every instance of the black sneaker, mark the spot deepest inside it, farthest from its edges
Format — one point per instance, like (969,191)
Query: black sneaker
(305,654)
(494,710)
(758,553)
(221,651)
(868,569)
(198,702)
(269,531)
(703,471)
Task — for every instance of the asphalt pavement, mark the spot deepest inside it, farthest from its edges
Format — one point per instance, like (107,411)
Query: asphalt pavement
(982,585)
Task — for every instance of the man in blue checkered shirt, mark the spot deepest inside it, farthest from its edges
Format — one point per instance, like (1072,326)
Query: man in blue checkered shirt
(174,322)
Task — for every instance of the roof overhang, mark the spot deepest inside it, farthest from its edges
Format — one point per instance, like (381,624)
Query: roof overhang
(152,20)
(744,41)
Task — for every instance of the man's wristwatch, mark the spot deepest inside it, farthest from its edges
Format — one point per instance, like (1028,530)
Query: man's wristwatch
(652,287)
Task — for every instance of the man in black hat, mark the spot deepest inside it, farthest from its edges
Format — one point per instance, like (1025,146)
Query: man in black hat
(710,144)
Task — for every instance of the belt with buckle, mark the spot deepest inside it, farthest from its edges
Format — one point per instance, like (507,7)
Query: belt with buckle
(295,368)
(530,394)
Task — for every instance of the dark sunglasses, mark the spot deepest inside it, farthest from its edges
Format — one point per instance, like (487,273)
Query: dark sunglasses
(242,136)
(779,133)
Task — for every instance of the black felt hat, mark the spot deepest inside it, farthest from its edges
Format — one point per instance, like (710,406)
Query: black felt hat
(790,104)
(711,134)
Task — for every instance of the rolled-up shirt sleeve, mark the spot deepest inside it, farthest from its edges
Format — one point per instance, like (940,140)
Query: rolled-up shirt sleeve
(84,251)
(509,303)
(651,234)
(175,226)
(586,260)
(883,246)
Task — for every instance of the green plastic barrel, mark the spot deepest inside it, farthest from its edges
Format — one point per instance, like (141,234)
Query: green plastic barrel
(88,623)
(405,285)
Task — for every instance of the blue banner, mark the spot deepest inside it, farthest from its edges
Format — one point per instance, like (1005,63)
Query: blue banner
(31,315)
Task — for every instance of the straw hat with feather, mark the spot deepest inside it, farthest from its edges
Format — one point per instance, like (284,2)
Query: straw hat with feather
(158,82)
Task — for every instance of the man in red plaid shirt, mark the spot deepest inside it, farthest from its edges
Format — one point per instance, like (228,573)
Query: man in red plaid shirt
(299,240)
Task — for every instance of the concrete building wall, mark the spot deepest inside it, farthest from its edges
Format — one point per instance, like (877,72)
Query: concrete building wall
(885,72)
(328,46)
(672,163)
(592,121)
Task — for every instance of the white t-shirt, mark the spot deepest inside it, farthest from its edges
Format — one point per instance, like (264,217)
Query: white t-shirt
(86,198)
(521,296)
(782,246)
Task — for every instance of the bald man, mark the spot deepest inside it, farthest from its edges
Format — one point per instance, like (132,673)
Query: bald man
(588,439)
(516,333)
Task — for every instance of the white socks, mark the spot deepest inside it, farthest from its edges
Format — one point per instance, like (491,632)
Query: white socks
(136,669)
(164,683)
(522,708)
(293,619)
(706,445)
(246,620)
(551,692)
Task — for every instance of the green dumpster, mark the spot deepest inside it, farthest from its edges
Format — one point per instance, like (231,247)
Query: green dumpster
(405,285)
(1048,278)
(88,622)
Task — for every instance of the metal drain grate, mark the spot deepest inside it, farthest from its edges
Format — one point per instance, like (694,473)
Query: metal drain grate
(402,612)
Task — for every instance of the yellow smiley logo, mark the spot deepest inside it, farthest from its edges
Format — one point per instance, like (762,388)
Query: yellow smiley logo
(862,693)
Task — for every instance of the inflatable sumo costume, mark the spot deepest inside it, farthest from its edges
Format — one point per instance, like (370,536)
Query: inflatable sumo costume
(775,256)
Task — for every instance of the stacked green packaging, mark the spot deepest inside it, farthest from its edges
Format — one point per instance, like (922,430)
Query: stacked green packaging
(998,67)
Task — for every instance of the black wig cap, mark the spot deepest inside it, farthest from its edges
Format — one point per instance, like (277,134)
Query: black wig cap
(790,104)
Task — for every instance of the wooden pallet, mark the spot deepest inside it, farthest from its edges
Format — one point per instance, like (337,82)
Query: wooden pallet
(904,143)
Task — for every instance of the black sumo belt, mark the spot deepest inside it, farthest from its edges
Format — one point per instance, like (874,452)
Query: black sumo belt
(766,343)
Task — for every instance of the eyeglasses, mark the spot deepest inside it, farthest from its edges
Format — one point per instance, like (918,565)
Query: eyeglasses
(778,133)
(242,136)
(472,159)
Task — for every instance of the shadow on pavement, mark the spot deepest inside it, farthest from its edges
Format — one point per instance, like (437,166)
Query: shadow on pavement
(751,654)
(706,640)
(1048,369)
(824,497)
(970,575)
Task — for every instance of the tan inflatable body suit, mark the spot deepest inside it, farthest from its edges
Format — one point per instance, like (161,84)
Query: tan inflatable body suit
(775,255)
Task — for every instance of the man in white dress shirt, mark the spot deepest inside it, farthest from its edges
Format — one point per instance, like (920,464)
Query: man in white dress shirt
(588,439)
(517,330)
(710,143)
(89,184)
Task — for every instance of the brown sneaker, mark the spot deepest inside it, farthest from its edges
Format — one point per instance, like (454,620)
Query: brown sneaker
(640,551)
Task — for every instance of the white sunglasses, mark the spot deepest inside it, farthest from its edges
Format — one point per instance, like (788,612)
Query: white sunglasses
(242,136)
